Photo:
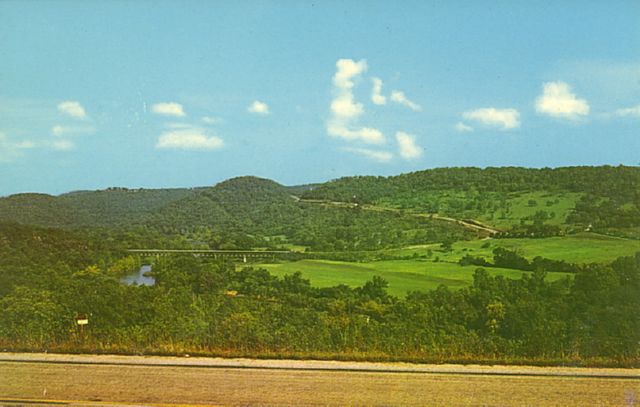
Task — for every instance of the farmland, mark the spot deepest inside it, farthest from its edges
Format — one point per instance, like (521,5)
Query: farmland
(403,275)
(433,266)
(580,248)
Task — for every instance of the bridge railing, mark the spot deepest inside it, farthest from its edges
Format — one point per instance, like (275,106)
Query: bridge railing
(238,254)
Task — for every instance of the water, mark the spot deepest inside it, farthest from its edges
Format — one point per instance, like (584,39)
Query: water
(139,278)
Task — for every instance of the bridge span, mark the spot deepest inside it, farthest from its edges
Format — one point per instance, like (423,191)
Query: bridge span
(243,255)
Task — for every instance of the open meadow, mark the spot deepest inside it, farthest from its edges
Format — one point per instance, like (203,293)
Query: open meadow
(580,248)
(433,266)
(403,275)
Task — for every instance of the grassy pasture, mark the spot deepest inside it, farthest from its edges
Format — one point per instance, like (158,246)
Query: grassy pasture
(519,208)
(504,211)
(427,274)
(403,275)
(580,248)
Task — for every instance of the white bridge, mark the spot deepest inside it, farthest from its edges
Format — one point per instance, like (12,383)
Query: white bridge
(216,254)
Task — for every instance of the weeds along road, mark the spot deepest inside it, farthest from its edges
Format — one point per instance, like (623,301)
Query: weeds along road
(122,380)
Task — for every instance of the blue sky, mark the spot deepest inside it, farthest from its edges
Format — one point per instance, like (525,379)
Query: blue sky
(189,93)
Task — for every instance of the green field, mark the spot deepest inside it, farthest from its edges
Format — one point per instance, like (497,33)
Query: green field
(580,248)
(560,204)
(441,267)
(499,210)
(403,275)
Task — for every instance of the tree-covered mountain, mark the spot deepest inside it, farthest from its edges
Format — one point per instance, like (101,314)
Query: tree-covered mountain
(602,198)
(354,213)
(250,211)
(242,212)
(105,208)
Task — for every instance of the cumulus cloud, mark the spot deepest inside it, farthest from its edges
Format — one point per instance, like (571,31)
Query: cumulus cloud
(409,150)
(400,98)
(366,134)
(505,119)
(629,111)
(258,107)
(557,100)
(211,120)
(187,137)
(347,70)
(376,93)
(59,130)
(63,145)
(73,109)
(345,111)
(10,149)
(344,107)
(379,156)
(168,109)
(463,128)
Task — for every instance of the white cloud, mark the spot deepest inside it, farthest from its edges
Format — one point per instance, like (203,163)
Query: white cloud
(10,149)
(25,145)
(376,93)
(73,109)
(629,111)
(168,109)
(462,128)
(345,111)
(400,98)
(347,71)
(380,156)
(258,107)
(490,116)
(408,147)
(365,134)
(188,138)
(344,107)
(59,130)
(557,100)
(211,120)
(63,145)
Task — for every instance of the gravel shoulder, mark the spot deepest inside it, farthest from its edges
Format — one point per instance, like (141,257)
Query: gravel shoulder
(320,365)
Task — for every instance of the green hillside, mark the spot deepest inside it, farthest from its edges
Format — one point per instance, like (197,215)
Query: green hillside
(105,208)
(521,200)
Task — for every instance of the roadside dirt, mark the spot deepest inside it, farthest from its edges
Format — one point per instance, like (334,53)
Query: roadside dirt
(123,380)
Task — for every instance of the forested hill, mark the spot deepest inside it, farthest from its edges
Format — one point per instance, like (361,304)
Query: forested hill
(104,208)
(237,203)
(606,199)
(249,210)
(255,212)
(243,212)
(601,181)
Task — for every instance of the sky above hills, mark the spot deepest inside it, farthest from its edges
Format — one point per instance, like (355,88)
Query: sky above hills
(169,93)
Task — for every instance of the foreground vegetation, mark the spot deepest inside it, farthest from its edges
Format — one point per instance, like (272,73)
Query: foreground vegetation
(201,306)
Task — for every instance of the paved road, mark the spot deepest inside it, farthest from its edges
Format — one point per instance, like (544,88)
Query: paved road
(123,380)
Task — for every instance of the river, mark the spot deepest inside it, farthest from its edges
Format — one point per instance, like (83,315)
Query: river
(139,278)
